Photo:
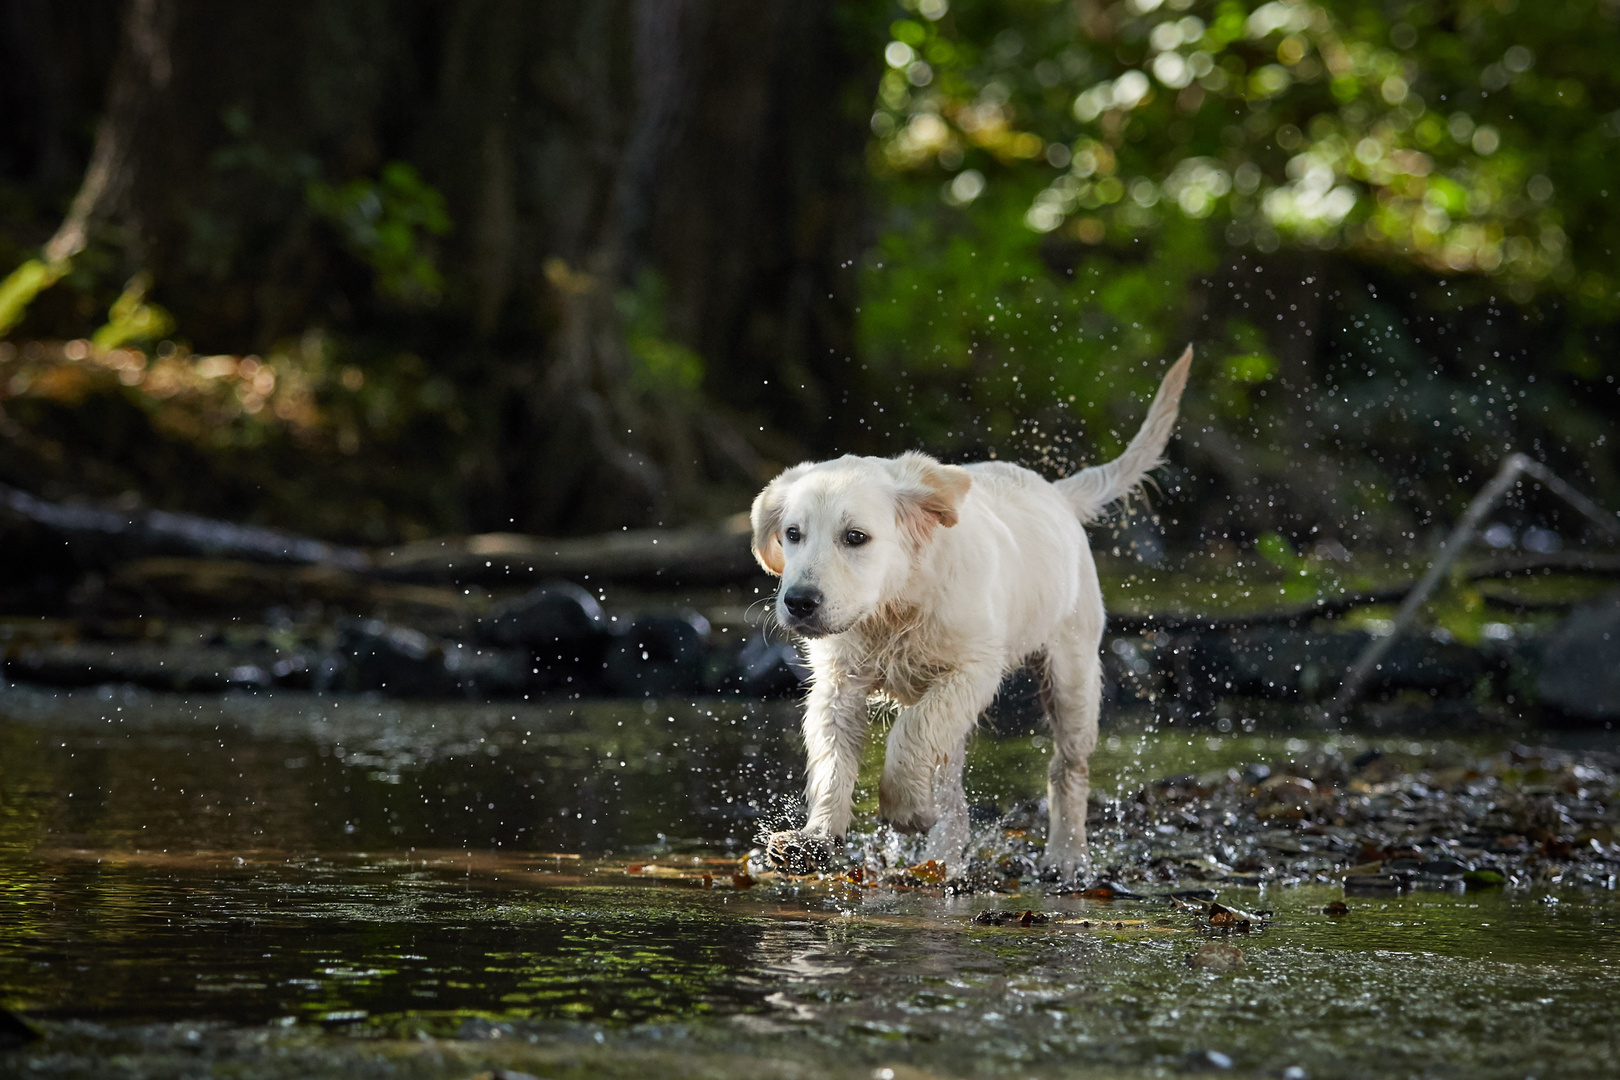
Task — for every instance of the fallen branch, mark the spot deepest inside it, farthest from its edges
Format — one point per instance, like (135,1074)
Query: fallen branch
(1563,562)
(653,556)
(1325,607)
(1507,477)
(159,532)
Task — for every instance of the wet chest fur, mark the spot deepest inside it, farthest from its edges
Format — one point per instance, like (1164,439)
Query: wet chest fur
(901,655)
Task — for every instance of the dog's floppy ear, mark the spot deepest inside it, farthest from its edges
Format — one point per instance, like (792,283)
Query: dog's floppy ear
(930,493)
(766,519)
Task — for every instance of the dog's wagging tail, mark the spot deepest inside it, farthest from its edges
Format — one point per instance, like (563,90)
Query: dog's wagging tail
(1092,491)
(924,584)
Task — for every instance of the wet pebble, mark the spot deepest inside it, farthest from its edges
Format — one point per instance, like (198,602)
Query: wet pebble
(1207,1061)
(1217,956)
(1443,868)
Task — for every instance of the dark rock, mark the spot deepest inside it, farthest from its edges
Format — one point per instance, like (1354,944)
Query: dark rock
(1282,662)
(1580,665)
(1274,661)
(657,655)
(372,655)
(767,669)
(555,613)
(562,628)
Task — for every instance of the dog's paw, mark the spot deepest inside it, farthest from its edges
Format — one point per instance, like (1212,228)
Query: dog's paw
(904,815)
(1066,868)
(913,824)
(792,852)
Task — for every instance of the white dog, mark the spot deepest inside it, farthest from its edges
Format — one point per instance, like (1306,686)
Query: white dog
(925,584)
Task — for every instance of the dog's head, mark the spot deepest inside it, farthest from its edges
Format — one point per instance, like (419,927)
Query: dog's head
(844,536)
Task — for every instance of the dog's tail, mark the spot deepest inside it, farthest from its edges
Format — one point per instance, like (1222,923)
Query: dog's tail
(1090,491)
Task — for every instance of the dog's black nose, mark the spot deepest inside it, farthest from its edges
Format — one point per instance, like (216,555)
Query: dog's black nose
(801,602)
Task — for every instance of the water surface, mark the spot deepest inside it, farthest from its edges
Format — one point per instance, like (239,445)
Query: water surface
(285,885)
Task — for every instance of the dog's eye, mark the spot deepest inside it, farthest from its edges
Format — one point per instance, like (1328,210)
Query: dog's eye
(855,538)
(792,533)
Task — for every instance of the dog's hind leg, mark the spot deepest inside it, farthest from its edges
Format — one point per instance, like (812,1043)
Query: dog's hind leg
(1073,692)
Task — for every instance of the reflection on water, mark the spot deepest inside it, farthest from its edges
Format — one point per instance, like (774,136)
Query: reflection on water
(294,771)
(293,886)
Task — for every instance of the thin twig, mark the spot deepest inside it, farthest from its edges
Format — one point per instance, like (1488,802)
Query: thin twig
(1507,476)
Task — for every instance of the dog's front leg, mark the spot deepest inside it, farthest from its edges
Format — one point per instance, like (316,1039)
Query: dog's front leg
(835,726)
(922,768)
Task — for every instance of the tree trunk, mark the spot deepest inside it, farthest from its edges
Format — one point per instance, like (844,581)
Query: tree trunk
(679,155)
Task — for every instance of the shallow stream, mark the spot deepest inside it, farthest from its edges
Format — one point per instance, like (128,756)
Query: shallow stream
(284,885)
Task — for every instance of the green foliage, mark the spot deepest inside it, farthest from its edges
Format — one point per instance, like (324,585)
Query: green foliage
(1467,143)
(133,318)
(1064,180)
(388,222)
(960,304)
(661,363)
(19,288)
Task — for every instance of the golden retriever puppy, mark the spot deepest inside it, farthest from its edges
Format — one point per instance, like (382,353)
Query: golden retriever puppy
(924,584)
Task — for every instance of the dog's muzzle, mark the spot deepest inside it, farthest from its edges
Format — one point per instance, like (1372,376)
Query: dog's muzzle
(801,610)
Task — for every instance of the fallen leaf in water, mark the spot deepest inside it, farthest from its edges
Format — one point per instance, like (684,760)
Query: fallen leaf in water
(742,881)
(856,874)
(1216,956)
(658,870)
(1105,890)
(1231,918)
(708,881)
(1337,909)
(932,871)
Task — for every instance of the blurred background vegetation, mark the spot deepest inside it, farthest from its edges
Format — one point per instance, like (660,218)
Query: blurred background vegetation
(375,270)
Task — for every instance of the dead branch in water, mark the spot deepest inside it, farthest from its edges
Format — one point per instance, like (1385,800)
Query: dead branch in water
(1513,469)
